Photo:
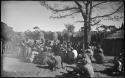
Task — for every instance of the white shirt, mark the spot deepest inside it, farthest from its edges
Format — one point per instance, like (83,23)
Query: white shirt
(75,53)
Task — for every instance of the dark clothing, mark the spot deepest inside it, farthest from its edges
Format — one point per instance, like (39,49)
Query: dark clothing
(56,49)
(99,56)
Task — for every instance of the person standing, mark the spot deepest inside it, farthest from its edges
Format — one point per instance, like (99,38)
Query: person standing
(99,56)
(89,51)
(22,49)
(70,55)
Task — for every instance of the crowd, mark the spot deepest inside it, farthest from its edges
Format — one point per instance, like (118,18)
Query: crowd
(54,52)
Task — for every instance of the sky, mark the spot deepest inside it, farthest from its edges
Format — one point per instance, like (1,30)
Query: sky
(24,15)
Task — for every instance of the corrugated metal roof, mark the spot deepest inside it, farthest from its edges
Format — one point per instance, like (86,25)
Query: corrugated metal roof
(117,34)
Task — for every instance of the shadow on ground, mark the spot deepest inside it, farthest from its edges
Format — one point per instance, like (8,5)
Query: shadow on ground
(70,67)
(44,67)
(70,74)
(109,72)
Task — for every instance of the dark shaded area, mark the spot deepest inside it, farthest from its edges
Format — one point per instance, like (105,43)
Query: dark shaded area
(113,43)
(109,72)
(113,46)
(44,67)
(71,74)
(68,62)
(4,28)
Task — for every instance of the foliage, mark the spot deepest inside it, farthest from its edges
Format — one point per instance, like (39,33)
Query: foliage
(68,32)
(105,28)
(48,35)
(7,32)
(28,34)
(11,39)
(35,35)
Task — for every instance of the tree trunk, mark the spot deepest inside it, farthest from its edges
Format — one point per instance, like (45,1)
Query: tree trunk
(86,37)
(87,28)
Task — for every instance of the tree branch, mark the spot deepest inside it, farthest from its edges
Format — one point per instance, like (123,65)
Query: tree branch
(84,3)
(90,24)
(90,11)
(79,21)
(98,4)
(80,7)
(64,9)
(58,10)
(63,16)
(106,15)
(96,23)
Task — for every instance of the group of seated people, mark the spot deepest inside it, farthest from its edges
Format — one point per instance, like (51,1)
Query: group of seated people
(63,48)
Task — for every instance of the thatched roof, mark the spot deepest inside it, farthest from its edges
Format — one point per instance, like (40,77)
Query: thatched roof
(116,35)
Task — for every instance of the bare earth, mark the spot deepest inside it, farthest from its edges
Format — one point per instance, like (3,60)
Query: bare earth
(13,67)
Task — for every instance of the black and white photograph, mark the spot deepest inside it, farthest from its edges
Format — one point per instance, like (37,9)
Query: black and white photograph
(62,39)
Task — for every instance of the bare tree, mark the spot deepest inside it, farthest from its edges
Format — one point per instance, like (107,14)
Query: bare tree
(86,9)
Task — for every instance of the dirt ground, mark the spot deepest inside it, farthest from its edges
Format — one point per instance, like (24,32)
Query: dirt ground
(13,67)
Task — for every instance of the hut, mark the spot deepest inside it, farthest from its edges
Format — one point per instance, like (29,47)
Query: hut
(113,43)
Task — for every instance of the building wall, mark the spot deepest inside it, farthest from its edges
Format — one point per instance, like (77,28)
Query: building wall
(113,46)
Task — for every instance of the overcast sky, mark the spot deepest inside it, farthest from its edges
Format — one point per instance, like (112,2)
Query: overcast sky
(24,15)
